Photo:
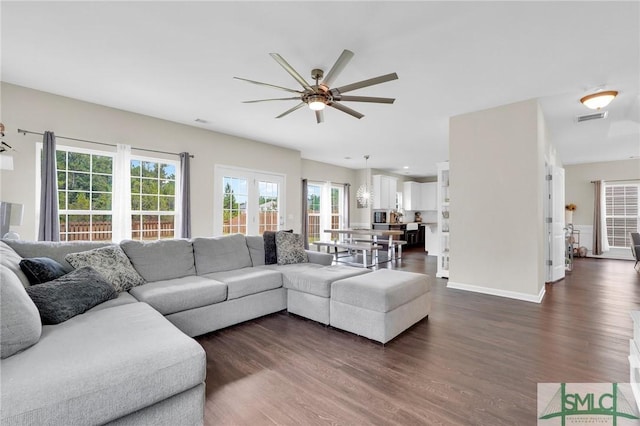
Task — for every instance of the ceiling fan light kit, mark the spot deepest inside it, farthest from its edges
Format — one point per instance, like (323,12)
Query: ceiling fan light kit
(320,95)
(599,99)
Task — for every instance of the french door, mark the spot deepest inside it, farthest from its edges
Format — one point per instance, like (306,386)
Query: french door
(247,201)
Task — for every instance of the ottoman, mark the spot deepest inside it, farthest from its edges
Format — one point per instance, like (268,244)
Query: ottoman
(379,305)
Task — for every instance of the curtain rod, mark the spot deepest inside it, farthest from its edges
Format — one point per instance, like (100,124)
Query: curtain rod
(618,180)
(24,132)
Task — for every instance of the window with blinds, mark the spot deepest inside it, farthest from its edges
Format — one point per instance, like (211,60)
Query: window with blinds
(621,212)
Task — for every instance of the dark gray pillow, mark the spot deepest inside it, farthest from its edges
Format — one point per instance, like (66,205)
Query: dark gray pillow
(70,295)
(41,269)
(270,251)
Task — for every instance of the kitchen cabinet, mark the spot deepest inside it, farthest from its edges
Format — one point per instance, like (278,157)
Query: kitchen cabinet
(384,192)
(411,196)
(419,196)
(428,196)
(413,237)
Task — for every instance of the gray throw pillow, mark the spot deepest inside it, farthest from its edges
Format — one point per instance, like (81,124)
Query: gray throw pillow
(20,325)
(112,263)
(41,269)
(70,295)
(270,251)
(290,248)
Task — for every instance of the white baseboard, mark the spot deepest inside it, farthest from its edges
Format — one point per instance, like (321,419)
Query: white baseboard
(497,292)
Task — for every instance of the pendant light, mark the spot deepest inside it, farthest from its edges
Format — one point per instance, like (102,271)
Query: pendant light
(364,194)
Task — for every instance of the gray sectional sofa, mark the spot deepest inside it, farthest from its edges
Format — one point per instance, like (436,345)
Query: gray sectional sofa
(130,360)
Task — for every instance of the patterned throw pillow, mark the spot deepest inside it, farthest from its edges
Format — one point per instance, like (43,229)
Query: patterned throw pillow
(111,263)
(41,269)
(270,253)
(290,248)
(70,295)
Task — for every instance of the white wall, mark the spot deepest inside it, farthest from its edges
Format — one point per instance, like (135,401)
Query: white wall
(39,111)
(496,208)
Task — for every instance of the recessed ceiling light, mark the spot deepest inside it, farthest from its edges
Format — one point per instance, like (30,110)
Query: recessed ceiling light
(347,158)
(405,167)
(201,121)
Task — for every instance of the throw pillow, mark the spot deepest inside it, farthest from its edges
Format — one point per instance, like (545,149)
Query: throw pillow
(111,263)
(270,252)
(41,269)
(20,325)
(290,248)
(70,295)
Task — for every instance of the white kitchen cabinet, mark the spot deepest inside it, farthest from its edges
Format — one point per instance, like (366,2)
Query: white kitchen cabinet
(412,196)
(384,192)
(428,196)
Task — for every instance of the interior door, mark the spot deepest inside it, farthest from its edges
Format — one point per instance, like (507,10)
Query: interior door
(556,230)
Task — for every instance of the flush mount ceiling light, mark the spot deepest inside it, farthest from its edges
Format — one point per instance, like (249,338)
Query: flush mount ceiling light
(599,99)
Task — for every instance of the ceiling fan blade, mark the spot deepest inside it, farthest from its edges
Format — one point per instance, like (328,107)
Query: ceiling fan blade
(288,68)
(348,110)
(365,99)
(337,68)
(365,83)
(320,116)
(266,100)
(267,84)
(289,111)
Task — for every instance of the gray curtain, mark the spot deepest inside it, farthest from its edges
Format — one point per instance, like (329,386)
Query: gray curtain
(185,194)
(305,214)
(347,211)
(598,242)
(49,228)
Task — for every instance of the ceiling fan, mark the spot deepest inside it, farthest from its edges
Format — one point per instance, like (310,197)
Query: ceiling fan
(321,94)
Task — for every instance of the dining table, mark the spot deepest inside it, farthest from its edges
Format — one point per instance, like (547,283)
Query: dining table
(375,236)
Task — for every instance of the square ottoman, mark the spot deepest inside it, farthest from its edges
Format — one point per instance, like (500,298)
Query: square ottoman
(379,305)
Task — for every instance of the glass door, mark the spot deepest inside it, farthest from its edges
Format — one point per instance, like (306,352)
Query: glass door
(247,202)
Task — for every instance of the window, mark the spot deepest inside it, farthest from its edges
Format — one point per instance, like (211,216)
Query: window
(325,210)
(153,199)
(85,182)
(86,195)
(621,212)
(249,202)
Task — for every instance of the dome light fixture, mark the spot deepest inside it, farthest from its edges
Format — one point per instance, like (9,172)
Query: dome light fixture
(316,102)
(599,99)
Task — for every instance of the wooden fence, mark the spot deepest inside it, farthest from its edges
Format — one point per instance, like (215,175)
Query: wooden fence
(101,231)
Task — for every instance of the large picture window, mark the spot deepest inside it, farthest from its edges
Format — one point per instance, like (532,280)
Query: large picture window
(85,191)
(621,213)
(86,182)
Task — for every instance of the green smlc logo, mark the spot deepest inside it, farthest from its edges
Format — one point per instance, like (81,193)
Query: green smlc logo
(611,403)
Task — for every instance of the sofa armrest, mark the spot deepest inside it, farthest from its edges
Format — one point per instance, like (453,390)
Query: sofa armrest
(319,257)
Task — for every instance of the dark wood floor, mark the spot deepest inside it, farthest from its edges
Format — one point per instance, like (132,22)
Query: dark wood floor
(476,360)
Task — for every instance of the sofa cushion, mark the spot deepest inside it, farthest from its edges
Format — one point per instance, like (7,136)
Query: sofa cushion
(290,248)
(99,367)
(382,291)
(256,249)
(180,294)
(41,269)
(53,250)
(316,279)
(10,259)
(162,259)
(70,295)
(221,253)
(20,325)
(246,281)
(110,262)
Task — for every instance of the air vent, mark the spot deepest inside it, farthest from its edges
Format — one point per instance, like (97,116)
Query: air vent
(589,117)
